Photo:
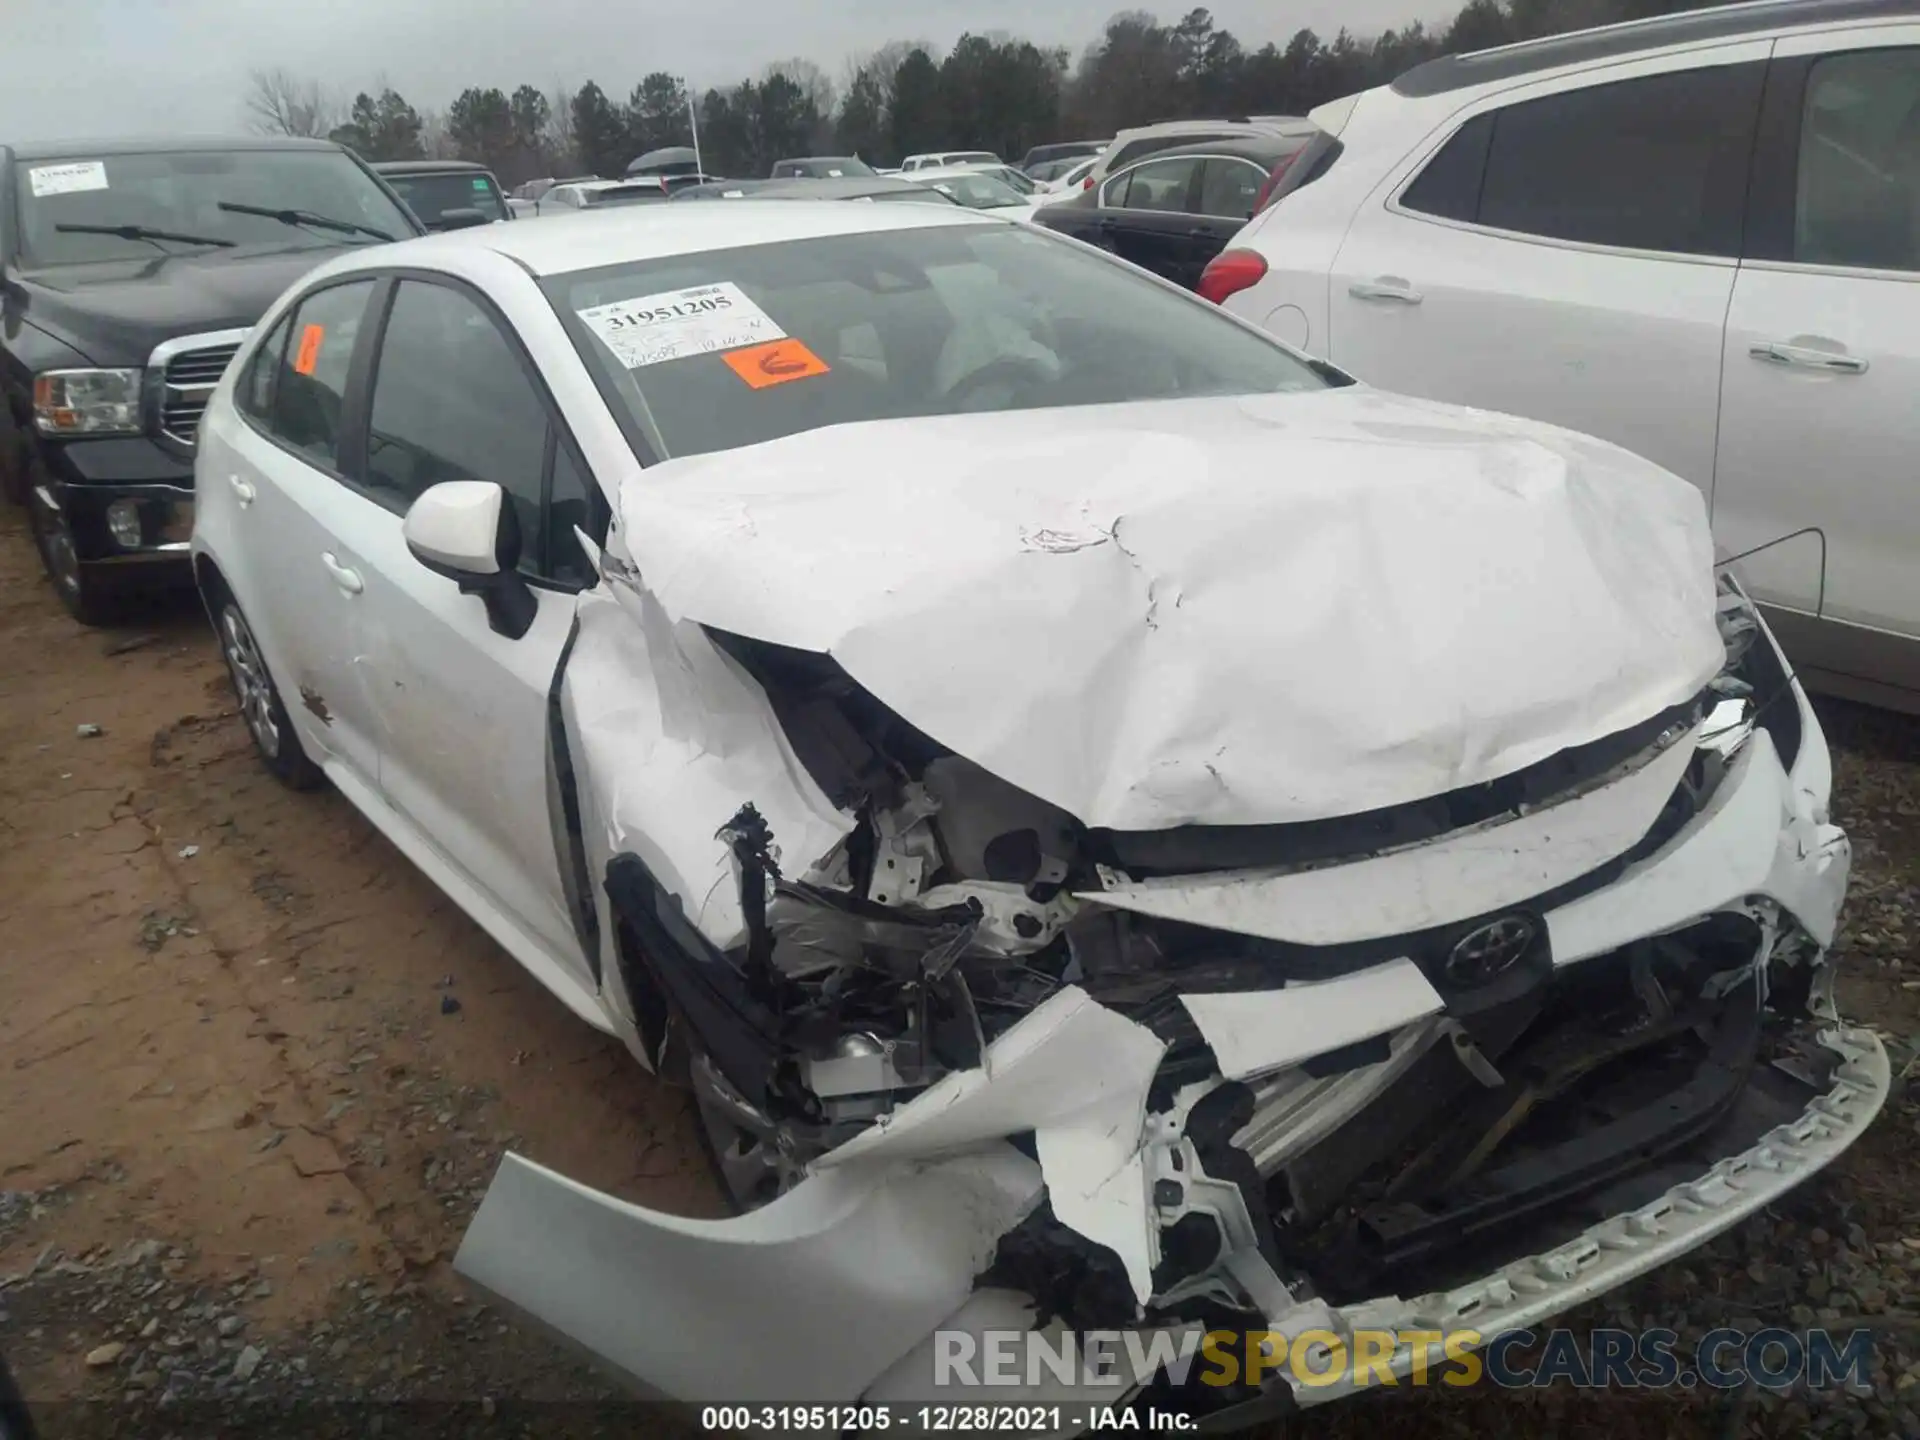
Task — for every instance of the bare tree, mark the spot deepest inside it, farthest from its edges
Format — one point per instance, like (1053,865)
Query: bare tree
(280,103)
(809,77)
(559,137)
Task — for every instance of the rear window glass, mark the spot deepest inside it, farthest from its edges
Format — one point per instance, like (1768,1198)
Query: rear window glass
(432,196)
(707,352)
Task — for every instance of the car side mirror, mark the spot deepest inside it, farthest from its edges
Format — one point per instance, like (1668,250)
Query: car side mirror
(468,531)
(464,218)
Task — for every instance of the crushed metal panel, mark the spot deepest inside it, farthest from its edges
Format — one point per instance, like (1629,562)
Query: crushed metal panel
(1424,886)
(1249,652)
(1747,841)
(672,737)
(810,1298)
(1253,1033)
(1077,1075)
(1069,1064)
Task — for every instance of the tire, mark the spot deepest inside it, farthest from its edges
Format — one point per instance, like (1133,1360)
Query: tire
(261,707)
(85,599)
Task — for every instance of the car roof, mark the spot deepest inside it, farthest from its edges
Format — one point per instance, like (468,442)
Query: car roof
(562,244)
(1723,22)
(1252,125)
(1264,148)
(164,145)
(630,182)
(846,187)
(816,159)
(952,172)
(430,167)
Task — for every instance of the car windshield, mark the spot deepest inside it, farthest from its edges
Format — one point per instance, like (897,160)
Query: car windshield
(181,194)
(431,196)
(977,192)
(705,352)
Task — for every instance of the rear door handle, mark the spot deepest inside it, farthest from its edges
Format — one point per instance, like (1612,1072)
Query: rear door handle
(347,578)
(241,488)
(1777,352)
(1386,287)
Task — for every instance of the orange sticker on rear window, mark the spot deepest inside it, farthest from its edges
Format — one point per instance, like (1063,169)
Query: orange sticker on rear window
(309,352)
(775,364)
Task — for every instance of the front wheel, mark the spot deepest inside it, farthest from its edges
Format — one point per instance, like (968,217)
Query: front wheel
(753,1156)
(80,592)
(260,704)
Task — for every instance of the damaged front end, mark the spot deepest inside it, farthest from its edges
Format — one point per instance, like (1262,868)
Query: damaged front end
(976,1065)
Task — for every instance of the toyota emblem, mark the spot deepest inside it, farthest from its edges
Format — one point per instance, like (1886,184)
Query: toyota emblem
(1490,951)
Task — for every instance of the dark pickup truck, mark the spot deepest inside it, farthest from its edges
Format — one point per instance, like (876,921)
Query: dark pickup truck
(129,274)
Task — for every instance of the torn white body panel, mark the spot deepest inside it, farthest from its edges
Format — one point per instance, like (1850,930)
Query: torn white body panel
(811,1298)
(1438,882)
(1756,837)
(1076,1075)
(670,738)
(1253,1033)
(1252,610)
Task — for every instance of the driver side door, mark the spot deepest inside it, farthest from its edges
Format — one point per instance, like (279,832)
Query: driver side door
(463,712)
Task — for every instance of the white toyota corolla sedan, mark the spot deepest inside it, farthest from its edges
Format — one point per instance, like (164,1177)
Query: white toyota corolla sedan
(1121,828)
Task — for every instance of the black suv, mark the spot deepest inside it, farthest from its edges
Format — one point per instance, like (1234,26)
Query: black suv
(446,194)
(129,274)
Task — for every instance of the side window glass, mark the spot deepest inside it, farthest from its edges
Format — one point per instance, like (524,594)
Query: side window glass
(1163,185)
(1114,197)
(573,501)
(1653,164)
(1450,185)
(451,401)
(1229,188)
(312,376)
(254,391)
(1859,175)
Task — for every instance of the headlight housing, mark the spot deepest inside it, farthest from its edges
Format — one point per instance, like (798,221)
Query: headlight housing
(87,402)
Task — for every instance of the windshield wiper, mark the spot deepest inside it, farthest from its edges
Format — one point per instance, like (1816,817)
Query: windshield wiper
(143,232)
(304,217)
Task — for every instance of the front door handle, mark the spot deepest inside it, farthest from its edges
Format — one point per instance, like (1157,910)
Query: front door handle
(347,578)
(1779,352)
(1385,287)
(241,488)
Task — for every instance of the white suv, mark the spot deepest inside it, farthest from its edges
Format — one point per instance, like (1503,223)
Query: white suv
(1697,236)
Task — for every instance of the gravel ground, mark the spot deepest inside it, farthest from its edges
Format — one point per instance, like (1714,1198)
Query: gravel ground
(259,1072)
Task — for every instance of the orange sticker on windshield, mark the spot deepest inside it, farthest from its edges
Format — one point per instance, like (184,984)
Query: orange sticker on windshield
(775,364)
(308,355)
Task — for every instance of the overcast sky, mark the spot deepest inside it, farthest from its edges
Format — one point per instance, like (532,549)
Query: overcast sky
(110,67)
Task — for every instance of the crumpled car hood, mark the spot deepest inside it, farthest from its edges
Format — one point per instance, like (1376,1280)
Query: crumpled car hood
(1247,610)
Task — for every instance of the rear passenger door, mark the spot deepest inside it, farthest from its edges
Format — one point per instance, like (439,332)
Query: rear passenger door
(463,711)
(1565,251)
(295,526)
(1820,410)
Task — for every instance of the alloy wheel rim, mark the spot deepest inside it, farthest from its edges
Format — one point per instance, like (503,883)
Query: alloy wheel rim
(755,1166)
(250,683)
(63,561)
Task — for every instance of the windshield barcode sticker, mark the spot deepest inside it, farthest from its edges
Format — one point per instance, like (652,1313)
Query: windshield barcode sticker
(67,179)
(702,320)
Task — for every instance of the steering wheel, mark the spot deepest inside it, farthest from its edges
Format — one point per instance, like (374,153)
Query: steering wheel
(1011,370)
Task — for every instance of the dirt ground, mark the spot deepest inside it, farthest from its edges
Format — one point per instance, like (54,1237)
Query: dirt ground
(255,1072)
